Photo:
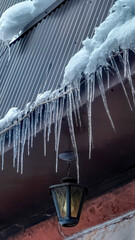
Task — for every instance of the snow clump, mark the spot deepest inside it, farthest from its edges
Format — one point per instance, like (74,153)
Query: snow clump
(15,18)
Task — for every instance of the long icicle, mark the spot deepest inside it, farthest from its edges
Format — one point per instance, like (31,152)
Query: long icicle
(18,151)
(127,73)
(28,129)
(77,104)
(23,139)
(89,110)
(45,127)
(102,91)
(49,118)
(14,144)
(72,132)
(120,78)
(61,109)
(2,150)
(56,111)
(32,128)
(74,109)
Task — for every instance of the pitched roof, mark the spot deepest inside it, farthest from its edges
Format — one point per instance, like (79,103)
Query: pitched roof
(38,57)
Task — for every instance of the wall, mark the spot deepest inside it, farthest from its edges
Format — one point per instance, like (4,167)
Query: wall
(95,211)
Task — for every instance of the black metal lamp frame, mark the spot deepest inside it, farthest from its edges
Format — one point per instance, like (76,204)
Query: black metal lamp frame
(68,220)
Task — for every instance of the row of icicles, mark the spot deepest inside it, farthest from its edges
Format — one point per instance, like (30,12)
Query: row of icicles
(67,104)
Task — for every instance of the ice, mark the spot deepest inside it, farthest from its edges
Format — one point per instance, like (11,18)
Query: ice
(77,104)
(55,120)
(50,108)
(72,132)
(18,147)
(31,126)
(114,64)
(45,128)
(59,123)
(2,150)
(36,121)
(14,144)
(74,108)
(23,139)
(15,18)
(0,142)
(89,109)
(127,72)
(28,130)
(102,91)
(41,109)
(9,137)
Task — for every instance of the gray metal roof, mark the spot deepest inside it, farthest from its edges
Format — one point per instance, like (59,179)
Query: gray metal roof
(4,5)
(38,57)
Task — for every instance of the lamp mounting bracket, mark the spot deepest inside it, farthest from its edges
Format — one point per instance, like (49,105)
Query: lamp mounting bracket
(67,156)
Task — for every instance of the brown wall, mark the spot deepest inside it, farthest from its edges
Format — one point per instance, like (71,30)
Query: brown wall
(95,211)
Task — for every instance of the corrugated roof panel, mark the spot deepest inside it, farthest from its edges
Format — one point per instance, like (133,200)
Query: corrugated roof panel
(4,5)
(39,57)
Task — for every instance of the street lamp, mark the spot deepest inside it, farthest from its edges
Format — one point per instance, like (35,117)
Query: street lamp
(68,197)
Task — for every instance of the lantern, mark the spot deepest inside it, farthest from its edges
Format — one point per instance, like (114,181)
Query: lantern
(68,197)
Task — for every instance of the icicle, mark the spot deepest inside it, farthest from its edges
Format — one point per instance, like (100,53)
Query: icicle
(121,60)
(93,86)
(2,150)
(108,77)
(74,108)
(56,111)
(41,109)
(36,121)
(31,126)
(71,130)
(89,109)
(125,63)
(121,81)
(15,133)
(28,129)
(50,112)
(18,146)
(77,105)
(78,92)
(127,73)
(9,137)
(59,120)
(23,139)
(102,91)
(45,127)
(0,143)
(53,115)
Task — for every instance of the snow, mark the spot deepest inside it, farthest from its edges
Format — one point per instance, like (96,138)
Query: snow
(116,33)
(15,18)
(13,114)
(42,97)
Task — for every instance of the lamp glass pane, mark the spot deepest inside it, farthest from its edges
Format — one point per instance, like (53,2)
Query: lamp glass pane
(61,196)
(76,195)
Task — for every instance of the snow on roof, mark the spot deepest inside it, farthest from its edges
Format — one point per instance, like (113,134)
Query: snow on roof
(117,31)
(15,18)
